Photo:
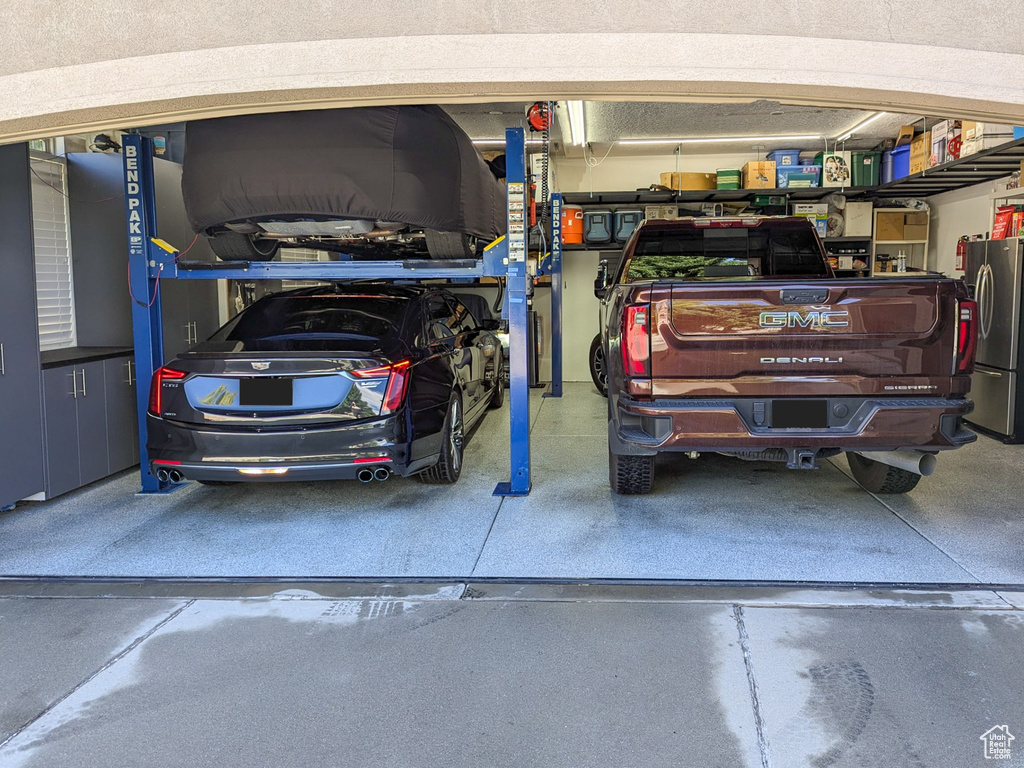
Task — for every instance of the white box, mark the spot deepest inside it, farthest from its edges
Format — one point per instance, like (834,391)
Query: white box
(846,262)
(835,169)
(858,220)
(814,209)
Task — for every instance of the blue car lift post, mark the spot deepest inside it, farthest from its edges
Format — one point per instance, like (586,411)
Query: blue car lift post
(150,260)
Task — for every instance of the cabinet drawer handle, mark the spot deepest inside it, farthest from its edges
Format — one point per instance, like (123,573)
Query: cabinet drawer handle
(83,382)
(3,363)
(74,383)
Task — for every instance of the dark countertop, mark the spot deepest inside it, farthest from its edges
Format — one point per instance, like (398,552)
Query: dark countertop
(55,358)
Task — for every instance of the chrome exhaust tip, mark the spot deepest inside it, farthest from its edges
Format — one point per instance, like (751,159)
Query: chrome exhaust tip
(162,476)
(381,474)
(918,462)
(365,475)
(175,476)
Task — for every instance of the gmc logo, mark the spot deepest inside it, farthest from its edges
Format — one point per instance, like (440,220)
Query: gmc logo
(813,319)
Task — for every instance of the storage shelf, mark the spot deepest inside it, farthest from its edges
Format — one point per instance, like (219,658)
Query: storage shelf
(987,165)
(847,239)
(900,242)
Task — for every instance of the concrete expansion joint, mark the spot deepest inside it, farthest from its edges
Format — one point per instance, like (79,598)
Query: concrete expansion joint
(755,701)
(107,665)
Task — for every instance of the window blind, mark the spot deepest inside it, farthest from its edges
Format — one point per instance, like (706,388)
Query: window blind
(55,298)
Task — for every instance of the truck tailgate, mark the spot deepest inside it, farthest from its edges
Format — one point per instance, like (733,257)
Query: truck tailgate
(829,337)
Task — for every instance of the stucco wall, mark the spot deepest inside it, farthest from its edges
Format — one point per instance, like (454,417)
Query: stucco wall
(89,64)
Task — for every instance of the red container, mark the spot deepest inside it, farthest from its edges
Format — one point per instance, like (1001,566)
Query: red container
(572,224)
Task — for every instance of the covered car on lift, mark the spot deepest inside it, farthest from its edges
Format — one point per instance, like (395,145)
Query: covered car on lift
(379,182)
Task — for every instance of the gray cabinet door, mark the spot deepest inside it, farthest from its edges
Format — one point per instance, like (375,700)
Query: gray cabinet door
(92,422)
(60,401)
(122,418)
(21,422)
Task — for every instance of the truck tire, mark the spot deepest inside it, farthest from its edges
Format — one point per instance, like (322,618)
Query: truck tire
(630,475)
(598,368)
(237,246)
(876,477)
(449,245)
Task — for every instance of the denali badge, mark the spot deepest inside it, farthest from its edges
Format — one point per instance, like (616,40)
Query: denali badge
(803,360)
(813,319)
(260,366)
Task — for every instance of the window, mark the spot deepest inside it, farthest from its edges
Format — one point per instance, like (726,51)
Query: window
(55,299)
(696,253)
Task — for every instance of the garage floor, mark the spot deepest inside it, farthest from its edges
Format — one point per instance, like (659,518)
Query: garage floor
(507,675)
(709,518)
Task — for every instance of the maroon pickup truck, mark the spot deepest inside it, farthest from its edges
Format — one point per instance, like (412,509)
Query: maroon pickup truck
(733,336)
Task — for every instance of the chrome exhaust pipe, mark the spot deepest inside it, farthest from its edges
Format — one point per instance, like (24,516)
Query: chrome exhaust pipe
(162,476)
(175,476)
(381,474)
(918,462)
(365,475)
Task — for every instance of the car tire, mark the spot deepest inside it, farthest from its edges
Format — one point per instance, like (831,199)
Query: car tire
(630,475)
(498,395)
(237,246)
(598,368)
(450,245)
(449,464)
(876,477)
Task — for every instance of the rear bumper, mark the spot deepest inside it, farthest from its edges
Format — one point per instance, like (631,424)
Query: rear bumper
(740,425)
(313,454)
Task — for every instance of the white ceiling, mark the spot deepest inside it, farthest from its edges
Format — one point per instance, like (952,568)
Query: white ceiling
(608,122)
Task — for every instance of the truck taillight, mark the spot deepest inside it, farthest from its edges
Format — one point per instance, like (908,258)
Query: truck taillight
(636,347)
(397,375)
(156,387)
(966,336)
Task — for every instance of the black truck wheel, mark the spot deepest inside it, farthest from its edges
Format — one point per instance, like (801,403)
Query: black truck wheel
(876,477)
(236,246)
(630,475)
(598,369)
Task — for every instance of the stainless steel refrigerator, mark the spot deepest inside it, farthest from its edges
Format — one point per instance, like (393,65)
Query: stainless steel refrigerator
(995,268)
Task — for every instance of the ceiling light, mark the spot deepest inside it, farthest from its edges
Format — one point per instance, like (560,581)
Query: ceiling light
(860,126)
(725,140)
(577,128)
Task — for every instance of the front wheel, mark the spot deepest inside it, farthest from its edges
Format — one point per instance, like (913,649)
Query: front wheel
(238,246)
(598,368)
(449,463)
(876,477)
(630,475)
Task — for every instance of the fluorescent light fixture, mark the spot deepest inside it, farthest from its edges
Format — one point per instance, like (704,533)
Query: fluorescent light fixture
(577,128)
(861,126)
(501,142)
(722,140)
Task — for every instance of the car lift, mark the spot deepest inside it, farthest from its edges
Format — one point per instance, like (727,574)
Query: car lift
(151,260)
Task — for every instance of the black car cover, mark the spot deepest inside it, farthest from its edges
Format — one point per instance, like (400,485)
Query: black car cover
(411,164)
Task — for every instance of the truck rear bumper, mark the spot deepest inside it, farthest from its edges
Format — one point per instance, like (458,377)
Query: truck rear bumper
(742,425)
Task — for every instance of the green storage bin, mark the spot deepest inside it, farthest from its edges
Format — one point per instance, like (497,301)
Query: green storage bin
(866,170)
(728,178)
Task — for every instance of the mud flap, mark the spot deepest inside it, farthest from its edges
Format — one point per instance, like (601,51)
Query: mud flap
(622,448)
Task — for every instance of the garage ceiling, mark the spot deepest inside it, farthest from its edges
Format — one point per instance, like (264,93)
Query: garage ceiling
(608,122)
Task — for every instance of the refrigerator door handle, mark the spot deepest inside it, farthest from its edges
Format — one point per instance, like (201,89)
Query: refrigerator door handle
(982,294)
(987,373)
(990,302)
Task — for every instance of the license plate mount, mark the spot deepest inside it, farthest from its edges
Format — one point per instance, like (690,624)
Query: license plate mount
(800,414)
(265,391)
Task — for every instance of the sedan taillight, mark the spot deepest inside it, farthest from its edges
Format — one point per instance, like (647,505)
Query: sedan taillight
(636,342)
(967,335)
(156,387)
(397,375)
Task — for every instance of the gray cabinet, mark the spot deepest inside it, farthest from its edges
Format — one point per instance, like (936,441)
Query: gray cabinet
(122,413)
(74,403)
(21,440)
(90,422)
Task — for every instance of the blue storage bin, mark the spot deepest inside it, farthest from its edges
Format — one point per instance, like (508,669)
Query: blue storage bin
(798,176)
(783,157)
(886,174)
(900,162)
(1018,132)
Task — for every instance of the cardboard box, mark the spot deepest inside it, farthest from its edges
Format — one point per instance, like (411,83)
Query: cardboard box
(759,175)
(689,181)
(915,226)
(971,129)
(943,133)
(835,168)
(815,209)
(845,262)
(889,226)
(920,152)
(905,136)
(858,220)
(661,211)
